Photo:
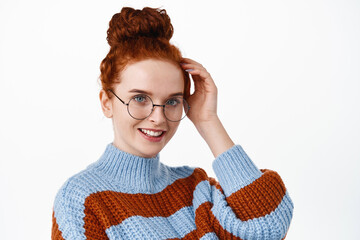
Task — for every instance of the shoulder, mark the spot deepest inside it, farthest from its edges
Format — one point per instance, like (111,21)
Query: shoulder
(76,187)
(69,204)
(74,191)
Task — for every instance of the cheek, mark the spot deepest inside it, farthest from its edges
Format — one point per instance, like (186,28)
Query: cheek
(123,121)
(174,126)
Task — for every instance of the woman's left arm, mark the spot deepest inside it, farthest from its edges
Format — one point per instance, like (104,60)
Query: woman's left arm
(203,112)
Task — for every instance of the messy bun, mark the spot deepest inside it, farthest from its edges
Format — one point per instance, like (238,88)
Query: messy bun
(136,35)
(130,23)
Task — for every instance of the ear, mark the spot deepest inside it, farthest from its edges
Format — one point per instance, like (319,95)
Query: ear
(106,104)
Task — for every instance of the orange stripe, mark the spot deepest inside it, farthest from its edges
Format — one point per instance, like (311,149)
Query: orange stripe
(55,232)
(259,198)
(215,183)
(94,229)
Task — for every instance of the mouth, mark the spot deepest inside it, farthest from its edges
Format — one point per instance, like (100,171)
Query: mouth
(152,134)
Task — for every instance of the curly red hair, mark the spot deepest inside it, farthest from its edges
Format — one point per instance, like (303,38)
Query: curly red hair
(136,35)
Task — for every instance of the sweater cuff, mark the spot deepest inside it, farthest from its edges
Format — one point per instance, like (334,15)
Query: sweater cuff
(235,170)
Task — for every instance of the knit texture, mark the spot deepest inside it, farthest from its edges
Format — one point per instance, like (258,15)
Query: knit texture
(123,196)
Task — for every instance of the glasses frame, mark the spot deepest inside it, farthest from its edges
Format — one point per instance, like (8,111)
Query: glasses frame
(154,105)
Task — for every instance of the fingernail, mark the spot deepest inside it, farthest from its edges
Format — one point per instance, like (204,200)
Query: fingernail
(189,70)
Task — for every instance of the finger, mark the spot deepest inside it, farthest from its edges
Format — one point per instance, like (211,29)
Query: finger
(189,60)
(193,66)
(197,79)
(201,84)
(201,74)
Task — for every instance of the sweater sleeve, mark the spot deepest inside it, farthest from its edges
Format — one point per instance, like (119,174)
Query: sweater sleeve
(245,203)
(68,216)
(66,222)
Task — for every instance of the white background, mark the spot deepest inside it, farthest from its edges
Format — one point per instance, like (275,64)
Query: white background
(289,92)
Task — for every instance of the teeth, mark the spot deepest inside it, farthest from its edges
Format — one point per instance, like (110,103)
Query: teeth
(151,133)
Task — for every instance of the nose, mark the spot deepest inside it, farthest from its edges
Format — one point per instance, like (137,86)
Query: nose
(157,115)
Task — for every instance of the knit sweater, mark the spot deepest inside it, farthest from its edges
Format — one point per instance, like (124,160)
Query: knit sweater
(123,196)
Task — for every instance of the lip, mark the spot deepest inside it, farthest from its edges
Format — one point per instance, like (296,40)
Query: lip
(150,138)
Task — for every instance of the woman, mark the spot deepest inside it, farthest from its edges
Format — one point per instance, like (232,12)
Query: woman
(128,193)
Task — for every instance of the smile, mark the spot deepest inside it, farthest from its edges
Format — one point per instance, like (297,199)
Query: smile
(152,133)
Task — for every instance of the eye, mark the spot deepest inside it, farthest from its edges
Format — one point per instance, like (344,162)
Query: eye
(173,102)
(140,98)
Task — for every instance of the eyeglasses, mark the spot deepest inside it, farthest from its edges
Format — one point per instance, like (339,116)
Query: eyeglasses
(141,106)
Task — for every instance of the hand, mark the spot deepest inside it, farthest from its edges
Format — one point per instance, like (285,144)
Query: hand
(203,101)
(203,111)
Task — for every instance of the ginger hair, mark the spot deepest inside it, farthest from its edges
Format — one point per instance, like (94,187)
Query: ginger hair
(136,35)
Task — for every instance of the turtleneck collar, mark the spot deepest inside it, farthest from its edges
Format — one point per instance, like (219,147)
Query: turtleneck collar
(137,174)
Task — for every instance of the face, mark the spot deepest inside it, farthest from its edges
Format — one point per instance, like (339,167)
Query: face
(158,79)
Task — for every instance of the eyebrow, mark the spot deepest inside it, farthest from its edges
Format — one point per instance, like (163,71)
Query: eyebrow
(148,93)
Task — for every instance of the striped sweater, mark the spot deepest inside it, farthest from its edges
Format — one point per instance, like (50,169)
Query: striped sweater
(123,196)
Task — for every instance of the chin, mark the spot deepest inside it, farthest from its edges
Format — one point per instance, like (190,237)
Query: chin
(150,152)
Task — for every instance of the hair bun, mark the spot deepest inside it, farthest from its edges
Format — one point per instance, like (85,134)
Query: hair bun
(131,23)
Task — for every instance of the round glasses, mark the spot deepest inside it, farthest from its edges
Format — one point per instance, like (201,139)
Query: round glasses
(141,106)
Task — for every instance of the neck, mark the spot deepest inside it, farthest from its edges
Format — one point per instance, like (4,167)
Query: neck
(127,150)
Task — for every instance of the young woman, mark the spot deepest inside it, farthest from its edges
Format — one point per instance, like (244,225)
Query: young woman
(128,193)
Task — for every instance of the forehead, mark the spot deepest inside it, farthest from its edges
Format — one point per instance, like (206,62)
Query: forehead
(158,77)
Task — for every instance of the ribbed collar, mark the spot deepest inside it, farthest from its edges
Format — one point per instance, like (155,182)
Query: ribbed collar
(137,174)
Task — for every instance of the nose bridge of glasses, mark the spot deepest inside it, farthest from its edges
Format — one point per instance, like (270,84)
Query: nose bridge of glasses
(162,109)
(159,105)
(162,106)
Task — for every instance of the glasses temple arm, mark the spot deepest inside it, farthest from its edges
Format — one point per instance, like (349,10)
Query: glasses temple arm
(117,96)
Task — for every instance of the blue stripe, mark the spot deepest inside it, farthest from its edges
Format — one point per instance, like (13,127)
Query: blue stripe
(202,193)
(175,226)
(235,170)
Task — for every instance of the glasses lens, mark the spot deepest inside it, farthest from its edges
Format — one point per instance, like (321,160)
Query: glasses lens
(140,106)
(176,109)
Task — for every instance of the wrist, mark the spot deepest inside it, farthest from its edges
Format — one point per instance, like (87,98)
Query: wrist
(215,135)
(203,127)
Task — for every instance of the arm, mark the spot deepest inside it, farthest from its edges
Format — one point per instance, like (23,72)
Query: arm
(215,135)
(203,112)
(246,202)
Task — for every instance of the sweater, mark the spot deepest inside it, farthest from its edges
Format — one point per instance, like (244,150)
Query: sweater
(123,196)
